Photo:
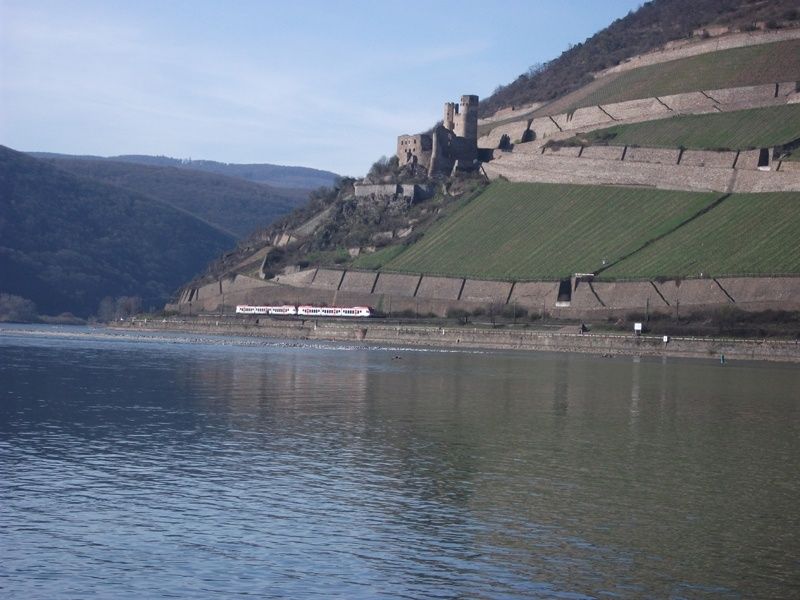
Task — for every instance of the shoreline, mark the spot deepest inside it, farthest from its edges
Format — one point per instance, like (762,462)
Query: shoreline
(467,337)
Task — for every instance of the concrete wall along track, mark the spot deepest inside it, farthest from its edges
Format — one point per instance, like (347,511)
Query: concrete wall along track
(396,284)
(482,291)
(596,300)
(328,279)
(440,288)
(358,281)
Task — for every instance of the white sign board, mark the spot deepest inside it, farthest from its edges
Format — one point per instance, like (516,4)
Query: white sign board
(637,327)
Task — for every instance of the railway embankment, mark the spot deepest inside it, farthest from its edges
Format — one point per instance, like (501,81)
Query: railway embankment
(382,333)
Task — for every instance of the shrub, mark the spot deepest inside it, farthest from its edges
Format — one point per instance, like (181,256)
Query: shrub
(457,313)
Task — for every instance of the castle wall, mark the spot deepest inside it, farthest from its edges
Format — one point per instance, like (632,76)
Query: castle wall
(382,189)
(455,141)
(410,146)
(466,118)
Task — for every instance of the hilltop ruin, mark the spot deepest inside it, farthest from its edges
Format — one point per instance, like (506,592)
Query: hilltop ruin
(451,146)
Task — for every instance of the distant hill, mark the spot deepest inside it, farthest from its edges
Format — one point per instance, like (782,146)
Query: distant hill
(652,25)
(233,205)
(274,175)
(67,241)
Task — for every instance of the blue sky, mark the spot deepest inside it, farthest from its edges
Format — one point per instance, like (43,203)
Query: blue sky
(328,85)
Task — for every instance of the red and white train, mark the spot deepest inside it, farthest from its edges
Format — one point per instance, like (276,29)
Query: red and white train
(305,310)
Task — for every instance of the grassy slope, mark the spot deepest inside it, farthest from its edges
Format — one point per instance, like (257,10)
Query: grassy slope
(546,231)
(758,127)
(745,234)
(767,63)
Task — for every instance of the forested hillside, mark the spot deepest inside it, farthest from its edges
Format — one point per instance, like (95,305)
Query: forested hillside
(66,242)
(645,29)
(275,175)
(234,205)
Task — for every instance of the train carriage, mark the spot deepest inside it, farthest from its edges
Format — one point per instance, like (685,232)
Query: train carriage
(305,310)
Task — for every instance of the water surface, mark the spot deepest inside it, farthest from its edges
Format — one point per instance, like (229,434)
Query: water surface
(189,466)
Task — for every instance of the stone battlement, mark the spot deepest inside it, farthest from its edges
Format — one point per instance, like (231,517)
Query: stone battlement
(451,145)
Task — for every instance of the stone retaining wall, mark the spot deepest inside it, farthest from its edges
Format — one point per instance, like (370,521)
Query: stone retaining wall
(328,279)
(632,109)
(708,158)
(629,295)
(358,281)
(603,152)
(661,156)
(643,109)
(583,298)
(573,151)
(442,288)
(691,102)
(535,295)
(694,48)
(561,168)
(747,94)
(492,292)
(439,294)
(300,278)
(582,117)
(692,291)
(396,284)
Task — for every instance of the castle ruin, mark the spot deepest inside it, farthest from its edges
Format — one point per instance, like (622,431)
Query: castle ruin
(452,145)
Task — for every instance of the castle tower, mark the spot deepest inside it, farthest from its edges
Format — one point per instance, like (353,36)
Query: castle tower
(466,119)
(450,111)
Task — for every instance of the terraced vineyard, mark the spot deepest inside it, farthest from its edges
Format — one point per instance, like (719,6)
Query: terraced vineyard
(766,63)
(745,234)
(547,231)
(738,130)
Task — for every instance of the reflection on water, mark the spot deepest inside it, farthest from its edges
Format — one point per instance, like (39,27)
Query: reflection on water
(141,468)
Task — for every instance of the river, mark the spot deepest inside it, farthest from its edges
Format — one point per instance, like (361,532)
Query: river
(169,465)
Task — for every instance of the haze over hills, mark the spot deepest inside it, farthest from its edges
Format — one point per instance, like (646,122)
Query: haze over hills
(231,204)
(67,241)
(278,176)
